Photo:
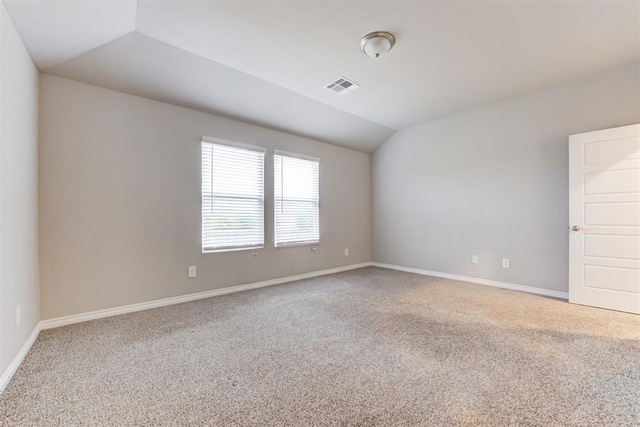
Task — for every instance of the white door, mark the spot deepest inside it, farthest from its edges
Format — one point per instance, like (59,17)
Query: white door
(604,211)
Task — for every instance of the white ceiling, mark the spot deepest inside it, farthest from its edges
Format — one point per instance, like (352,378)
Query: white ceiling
(267,62)
(57,31)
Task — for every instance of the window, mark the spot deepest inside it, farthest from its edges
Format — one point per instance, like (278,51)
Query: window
(232,197)
(296,199)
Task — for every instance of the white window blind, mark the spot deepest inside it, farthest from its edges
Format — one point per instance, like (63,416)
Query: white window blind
(232,197)
(296,185)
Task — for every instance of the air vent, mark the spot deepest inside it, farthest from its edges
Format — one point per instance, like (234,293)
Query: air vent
(342,85)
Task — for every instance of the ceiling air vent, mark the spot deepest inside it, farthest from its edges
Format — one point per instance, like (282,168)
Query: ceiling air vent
(342,85)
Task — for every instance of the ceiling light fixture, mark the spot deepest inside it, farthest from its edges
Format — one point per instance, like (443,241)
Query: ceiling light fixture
(376,43)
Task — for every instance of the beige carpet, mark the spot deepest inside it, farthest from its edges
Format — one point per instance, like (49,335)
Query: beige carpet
(366,347)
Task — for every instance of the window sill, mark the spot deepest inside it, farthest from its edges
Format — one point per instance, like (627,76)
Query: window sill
(293,244)
(244,248)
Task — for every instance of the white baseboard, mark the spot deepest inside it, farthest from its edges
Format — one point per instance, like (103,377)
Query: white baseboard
(99,314)
(487,282)
(15,363)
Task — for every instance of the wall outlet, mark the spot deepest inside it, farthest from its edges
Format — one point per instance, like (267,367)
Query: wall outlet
(506,263)
(255,253)
(346,251)
(18,314)
(192,271)
(314,248)
(475,259)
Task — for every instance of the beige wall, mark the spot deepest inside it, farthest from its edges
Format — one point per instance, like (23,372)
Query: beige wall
(18,191)
(493,182)
(120,201)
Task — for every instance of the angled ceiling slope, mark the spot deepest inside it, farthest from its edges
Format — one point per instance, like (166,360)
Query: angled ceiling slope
(54,31)
(267,62)
(146,67)
(95,42)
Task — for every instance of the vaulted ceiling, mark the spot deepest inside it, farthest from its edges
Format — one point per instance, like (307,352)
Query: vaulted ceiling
(268,62)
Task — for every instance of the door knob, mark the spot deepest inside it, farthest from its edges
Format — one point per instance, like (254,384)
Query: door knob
(576,228)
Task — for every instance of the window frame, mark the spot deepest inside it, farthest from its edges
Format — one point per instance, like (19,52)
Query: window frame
(244,146)
(301,157)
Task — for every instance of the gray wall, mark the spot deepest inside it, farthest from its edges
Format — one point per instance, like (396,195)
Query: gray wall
(18,191)
(120,201)
(493,182)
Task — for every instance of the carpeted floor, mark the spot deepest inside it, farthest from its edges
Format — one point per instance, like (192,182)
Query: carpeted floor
(365,347)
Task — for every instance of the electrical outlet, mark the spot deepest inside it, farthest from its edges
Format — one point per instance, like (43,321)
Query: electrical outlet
(506,263)
(192,271)
(475,259)
(346,251)
(314,248)
(18,314)
(255,253)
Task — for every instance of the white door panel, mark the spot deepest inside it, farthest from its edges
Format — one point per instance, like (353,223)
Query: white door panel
(612,181)
(611,151)
(614,214)
(618,279)
(611,246)
(604,180)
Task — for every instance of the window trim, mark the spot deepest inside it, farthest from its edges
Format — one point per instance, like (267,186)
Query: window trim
(232,249)
(299,156)
(294,244)
(302,157)
(244,146)
(234,144)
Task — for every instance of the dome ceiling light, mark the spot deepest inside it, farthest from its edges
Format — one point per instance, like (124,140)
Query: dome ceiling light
(376,43)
